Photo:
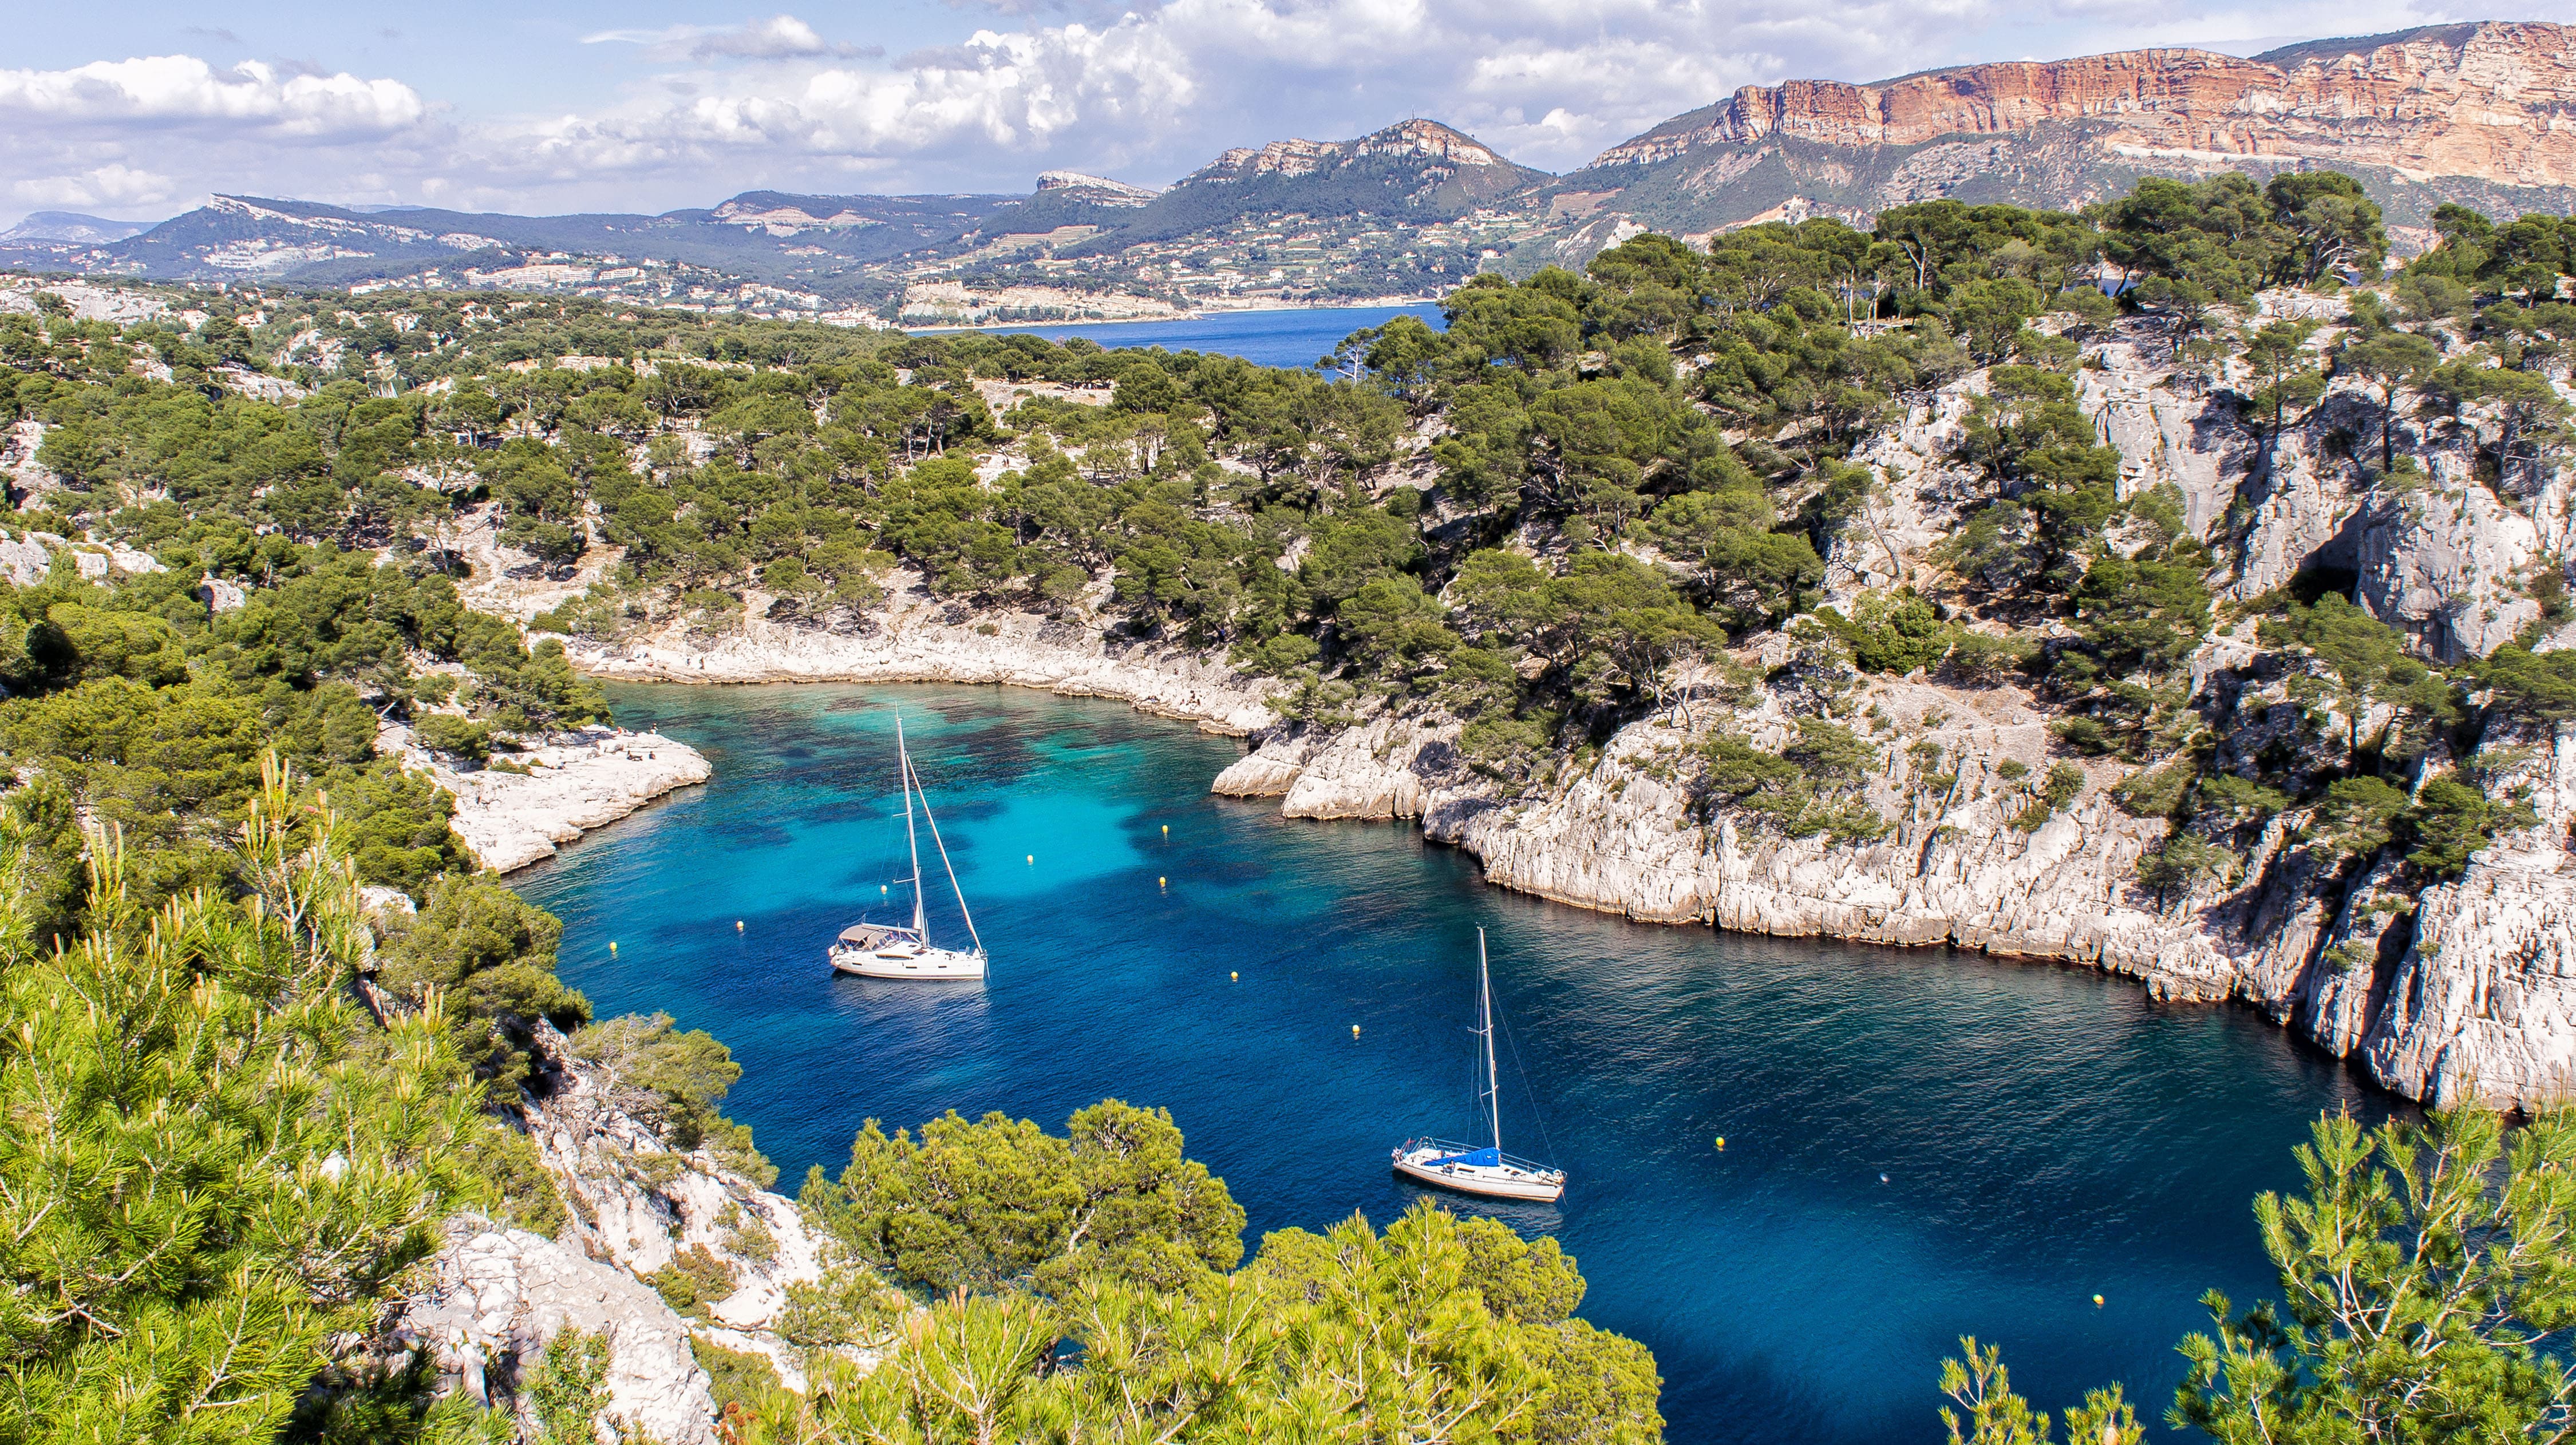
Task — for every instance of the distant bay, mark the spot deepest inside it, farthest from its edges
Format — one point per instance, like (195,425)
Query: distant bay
(1919,1143)
(1291,337)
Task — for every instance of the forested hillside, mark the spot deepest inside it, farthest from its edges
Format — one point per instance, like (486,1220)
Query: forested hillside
(276,1065)
(2163,587)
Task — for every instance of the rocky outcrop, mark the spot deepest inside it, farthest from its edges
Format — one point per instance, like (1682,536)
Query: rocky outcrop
(29,558)
(2476,1001)
(573,783)
(918,638)
(497,1297)
(2468,113)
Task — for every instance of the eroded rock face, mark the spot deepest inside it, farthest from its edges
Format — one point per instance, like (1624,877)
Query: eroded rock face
(2481,1005)
(498,1297)
(2466,998)
(2452,991)
(2475,100)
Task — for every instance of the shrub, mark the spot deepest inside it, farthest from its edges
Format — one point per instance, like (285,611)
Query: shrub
(2452,820)
(447,733)
(2358,816)
(2185,861)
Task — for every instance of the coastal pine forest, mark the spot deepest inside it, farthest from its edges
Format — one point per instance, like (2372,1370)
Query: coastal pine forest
(268,1032)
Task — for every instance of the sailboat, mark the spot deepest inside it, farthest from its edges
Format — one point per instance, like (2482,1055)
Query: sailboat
(1486,1170)
(888,950)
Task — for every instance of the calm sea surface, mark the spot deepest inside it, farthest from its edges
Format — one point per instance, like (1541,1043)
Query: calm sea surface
(1269,338)
(1918,1145)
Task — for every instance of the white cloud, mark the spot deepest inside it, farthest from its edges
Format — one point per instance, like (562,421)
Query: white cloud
(1020,93)
(780,37)
(1160,90)
(113,184)
(166,89)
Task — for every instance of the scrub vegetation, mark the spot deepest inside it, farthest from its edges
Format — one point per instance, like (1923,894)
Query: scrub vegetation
(240,1100)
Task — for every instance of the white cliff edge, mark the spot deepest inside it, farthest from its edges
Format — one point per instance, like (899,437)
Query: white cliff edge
(576,782)
(496,1296)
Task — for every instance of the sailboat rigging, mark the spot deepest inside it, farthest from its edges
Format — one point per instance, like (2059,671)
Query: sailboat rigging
(1486,1170)
(886,950)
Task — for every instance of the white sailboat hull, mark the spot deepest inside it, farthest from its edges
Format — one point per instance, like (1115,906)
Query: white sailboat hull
(1438,1166)
(907,962)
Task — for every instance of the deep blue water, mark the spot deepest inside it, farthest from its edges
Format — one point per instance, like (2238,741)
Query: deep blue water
(2044,1134)
(1267,338)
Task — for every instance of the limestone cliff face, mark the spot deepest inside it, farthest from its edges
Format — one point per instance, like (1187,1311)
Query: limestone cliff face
(2448,992)
(2461,990)
(2482,100)
(496,1297)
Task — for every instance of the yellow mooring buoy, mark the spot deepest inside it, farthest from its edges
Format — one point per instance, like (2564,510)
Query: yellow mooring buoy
(1234,977)
(1033,860)
(612,946)
(2097,1301)
(1162,882)
(1355,1031)
(1721,1143)
(1167,830)
(737,925)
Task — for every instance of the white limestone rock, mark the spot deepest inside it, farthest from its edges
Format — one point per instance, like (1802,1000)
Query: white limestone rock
(577,782)
(2445,564)
(1381,769)
(497,1297)
(1268,771)
(916,640)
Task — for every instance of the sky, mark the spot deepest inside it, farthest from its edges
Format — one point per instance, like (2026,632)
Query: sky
(142,109)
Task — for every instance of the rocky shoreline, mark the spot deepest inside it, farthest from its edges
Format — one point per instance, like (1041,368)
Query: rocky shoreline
(574,782)
(2460,990)
(918,638)
(2481,1004)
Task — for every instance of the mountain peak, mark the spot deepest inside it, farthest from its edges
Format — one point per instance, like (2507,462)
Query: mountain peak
(73,226)
(1426,140)
(1100,190)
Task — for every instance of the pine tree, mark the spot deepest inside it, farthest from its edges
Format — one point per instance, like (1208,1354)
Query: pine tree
(213,1159)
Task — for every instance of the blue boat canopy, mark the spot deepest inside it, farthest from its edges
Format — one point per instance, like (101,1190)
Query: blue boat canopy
(1486,1158)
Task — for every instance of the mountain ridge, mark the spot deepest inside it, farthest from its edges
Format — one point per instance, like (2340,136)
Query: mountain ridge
(2464,112)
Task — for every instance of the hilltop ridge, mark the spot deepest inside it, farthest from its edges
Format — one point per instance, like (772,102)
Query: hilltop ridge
(2459,112)
(2464,112)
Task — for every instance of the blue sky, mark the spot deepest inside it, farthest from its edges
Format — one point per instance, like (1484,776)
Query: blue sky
(144,109)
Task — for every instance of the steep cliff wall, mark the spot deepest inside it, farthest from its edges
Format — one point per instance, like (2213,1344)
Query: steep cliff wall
(2444,992)
(2471,112)
(2460,990)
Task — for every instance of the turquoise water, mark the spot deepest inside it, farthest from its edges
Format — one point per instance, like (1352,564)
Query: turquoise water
(1918,1144)
(1267,338)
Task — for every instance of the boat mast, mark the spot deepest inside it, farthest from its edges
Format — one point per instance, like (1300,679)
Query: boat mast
(945,862)
(1485,1015)
(904,756)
